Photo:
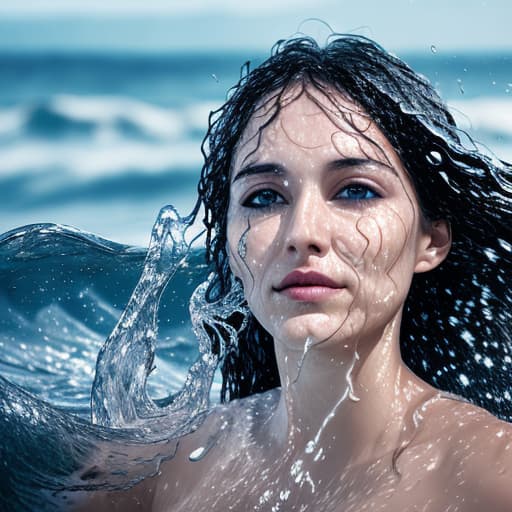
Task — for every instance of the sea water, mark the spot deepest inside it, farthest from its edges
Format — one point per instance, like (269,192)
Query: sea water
(51,450)
(101,143)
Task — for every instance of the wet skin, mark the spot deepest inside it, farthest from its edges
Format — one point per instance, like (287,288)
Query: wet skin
(458,460)
(325,233)
(312,195)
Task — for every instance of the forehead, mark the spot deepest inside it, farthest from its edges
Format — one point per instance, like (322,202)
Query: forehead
(303,117)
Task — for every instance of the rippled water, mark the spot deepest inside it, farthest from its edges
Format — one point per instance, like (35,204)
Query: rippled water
(63,292)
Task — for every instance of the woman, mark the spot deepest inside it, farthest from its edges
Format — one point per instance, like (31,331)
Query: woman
(365,236)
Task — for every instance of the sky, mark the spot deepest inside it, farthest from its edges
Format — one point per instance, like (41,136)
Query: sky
(196,25)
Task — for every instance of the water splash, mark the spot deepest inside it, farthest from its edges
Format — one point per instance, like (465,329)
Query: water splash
(51,453)
(119,397)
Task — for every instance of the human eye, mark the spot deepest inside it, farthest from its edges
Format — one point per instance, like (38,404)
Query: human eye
(357,192)
(263,199)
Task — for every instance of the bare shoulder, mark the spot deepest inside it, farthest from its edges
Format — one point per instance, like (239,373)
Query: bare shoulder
(479,449)
(209,456)
(188,462)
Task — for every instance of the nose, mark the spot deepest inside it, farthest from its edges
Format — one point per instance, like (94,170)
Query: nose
(308,231)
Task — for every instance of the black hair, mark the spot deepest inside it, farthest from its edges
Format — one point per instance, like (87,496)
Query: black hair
(455,331)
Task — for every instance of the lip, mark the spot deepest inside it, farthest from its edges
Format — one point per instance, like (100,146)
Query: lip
(308,286)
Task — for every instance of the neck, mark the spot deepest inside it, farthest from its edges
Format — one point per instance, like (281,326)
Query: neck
(353,398)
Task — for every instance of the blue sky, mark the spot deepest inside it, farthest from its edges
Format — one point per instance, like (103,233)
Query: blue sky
(178,25)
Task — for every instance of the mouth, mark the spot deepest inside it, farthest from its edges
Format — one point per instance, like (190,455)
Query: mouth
(308,286)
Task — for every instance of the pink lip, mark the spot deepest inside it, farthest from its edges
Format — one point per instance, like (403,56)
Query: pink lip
(307,286)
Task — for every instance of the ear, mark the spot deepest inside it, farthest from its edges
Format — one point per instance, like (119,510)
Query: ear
(436,242)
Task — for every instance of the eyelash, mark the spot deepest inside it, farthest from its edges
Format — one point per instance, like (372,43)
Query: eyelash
(250,202)
(360,186)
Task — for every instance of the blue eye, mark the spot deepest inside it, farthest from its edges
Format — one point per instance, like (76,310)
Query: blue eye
(263,199)
(357,192)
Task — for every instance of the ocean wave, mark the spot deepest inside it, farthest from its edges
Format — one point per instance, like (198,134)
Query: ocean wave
(97,136)
(488,117)
(58,306)
(87,160)
(103,118)
(62,292)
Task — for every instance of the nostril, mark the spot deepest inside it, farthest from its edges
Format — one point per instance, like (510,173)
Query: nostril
(311,248)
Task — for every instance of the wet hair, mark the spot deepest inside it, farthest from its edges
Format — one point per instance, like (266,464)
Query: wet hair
(455,331)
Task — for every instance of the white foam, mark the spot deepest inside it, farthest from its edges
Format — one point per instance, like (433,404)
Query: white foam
(156,121)
(105,113)
(196,115)
(104,158)
(493,115)
(12,120)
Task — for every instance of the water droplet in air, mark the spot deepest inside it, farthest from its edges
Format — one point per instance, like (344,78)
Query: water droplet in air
(461,88)
(434,158)
(214,76)
(433,48)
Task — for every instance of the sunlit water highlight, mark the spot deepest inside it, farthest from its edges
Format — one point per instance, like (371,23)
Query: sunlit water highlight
(48,448)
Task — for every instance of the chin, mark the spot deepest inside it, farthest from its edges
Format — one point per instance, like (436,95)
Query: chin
(316,329)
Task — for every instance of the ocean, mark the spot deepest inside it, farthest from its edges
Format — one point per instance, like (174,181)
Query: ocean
(91,148)
(101,142)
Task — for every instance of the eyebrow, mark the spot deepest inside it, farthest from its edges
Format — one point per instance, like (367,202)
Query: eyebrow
(344,163)
(254,169)
(335,165)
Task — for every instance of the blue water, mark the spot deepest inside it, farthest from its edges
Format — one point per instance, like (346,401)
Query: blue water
(62,294)
(102,143)
(49,446)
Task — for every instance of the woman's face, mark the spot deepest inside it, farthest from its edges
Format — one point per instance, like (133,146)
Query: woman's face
(324,228)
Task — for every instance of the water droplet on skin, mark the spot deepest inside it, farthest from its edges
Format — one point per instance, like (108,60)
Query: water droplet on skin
(431,466)
(310,447)
(353,397)
(318,455)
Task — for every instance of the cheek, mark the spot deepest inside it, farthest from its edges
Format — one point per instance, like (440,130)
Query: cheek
(386,239)
(252,241)
(387,263)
